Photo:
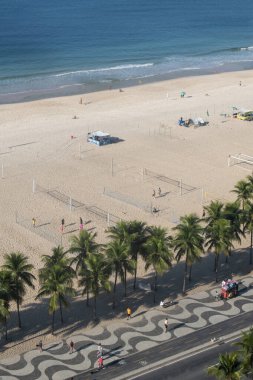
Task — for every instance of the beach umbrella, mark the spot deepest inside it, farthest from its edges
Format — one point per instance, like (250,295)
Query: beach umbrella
(182,94)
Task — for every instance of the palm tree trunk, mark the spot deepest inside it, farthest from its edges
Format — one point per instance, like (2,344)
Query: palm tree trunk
(215,264)
(155,285)
(251,243)
(135,271)
(87,298)
(95,307)
(53,322)
(185,275)
(19,319)
(61,311)
(216,269)
(6,329)
(190,273)
(114,289)
(125,281)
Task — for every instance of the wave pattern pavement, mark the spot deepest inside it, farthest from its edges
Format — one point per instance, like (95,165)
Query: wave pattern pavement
(126,337)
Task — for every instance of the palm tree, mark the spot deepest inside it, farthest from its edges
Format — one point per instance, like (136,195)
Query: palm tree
(118,262)
(81,246)
(5,297)
(214,211)
(16,264)
(59,257)
(159,255)
(138,243)
(57,283)
(134,233)
(218,238)
(246,352)
(95,277)
(248,225)
(188,241)
(234,215)
(243,190)
(228,367)
(4,314)
(122,232)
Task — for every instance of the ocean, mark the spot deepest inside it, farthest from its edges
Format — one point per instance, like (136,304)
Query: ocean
(58,47)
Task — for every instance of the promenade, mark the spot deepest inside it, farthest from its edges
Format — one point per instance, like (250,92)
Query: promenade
(127,337)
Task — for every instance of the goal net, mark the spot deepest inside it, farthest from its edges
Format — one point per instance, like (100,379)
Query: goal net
(242,160)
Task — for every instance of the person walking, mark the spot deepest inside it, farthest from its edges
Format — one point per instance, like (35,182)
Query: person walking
(39,345)
(71,347)
(62,225)
(100,362)
(166,324)
(33,222)
(159,191)
(100,350)
(129,313)
(153,194)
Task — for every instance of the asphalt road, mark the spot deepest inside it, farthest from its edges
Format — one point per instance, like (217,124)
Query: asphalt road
(192,368)
(185,367)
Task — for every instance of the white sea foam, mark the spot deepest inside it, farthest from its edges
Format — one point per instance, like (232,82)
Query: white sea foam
(247,48)
(103,69)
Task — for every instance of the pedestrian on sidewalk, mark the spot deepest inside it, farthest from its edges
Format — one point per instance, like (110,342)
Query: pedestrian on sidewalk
(129,313)
(100,350)
(100,362)
(71,347)
(166,323)
(39,345)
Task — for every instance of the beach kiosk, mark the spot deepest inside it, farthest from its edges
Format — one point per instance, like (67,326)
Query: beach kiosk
(229,289)
(99,138)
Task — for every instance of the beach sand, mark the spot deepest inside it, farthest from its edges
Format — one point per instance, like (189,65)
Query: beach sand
(44,149)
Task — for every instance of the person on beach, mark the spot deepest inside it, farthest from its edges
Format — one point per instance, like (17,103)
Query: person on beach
(34,222)
(62,225)
(153,194)
(203,213)
(166,323)
(129,312)
(159,191)
(71,347)
(81,224)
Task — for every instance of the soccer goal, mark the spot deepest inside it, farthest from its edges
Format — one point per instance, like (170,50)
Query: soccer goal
(242,160)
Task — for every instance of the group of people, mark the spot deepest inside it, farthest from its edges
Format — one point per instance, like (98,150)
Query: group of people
(100,356)
(72,349)
(62,223)
(159,192)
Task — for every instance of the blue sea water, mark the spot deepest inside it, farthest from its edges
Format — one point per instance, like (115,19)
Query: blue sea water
(50,47)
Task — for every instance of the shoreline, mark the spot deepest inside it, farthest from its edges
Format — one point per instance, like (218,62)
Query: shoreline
(85,89)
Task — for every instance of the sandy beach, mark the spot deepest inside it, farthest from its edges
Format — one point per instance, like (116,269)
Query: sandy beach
(45,156)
